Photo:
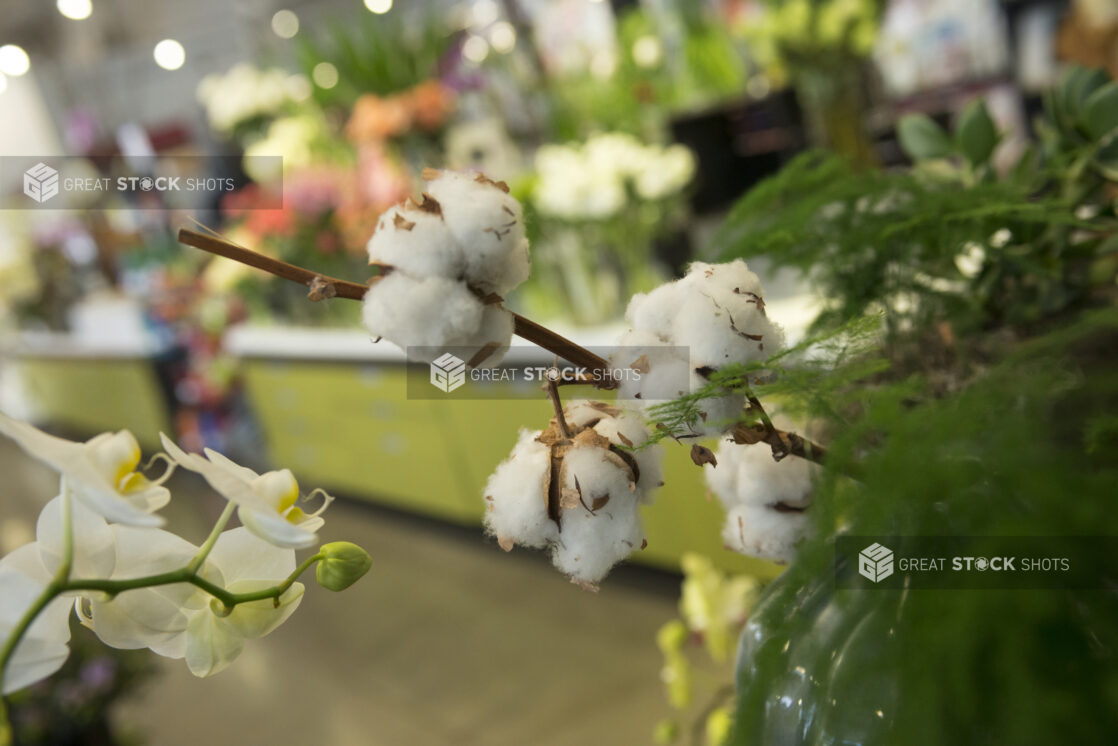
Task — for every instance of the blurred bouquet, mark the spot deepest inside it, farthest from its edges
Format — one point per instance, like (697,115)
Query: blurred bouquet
(820,46)
(242,100)
(410,122)
(425,107)
(600,206)
(606,175)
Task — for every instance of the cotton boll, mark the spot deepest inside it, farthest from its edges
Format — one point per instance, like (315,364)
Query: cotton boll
(664,372)
(748,475)
(488,225)
(433,312)
(722,319)
(764,498)
(417,242)
(626,432)
(604,526)
(717,414)
(716,314)
(577,491)
(628,429)
(759,531)
(516,496)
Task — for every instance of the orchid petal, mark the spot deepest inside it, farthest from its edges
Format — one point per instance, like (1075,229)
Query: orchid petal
(258,618)
(226,481)
(241,555)
(211,644)
(93,540)
(261,499)
(274,528)
(43,648)
(222,460)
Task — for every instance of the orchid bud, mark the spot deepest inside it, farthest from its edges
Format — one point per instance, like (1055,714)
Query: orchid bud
(343,563)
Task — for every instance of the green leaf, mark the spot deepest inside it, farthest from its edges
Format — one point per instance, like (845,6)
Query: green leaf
(1077,86)
(1100,112)
(976,134)
(921,138)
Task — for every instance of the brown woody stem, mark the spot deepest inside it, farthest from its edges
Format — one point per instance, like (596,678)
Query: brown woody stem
(522,327)
(229,250)
(557,405)
(782,443)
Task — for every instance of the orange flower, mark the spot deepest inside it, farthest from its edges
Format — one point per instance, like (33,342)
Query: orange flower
(375,118)
(431,103)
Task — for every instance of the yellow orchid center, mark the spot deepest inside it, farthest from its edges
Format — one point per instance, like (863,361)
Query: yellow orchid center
(280,490)
(134,482)
(117,456)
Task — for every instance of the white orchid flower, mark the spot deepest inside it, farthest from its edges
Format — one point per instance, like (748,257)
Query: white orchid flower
(101,473)
(245,564)
(154,617)
(181,620)
(44,647)
(265,502)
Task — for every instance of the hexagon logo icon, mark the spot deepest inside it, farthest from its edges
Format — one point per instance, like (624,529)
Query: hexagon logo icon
(875,562)
(448,373)
(40,182)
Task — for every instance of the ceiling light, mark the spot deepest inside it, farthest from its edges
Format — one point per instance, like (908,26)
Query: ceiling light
(169,54)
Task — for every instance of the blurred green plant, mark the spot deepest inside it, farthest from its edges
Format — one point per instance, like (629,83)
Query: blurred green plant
(819,46)
(381,54)
(651,80)
(967,368)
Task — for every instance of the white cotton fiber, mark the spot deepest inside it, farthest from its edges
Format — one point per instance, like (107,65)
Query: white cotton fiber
(433,312)
(604,527)
(489,226)
(716,316)
(416,242)
(598,489)
(496,327)
(748,475)
(516,496)
(666,374)
(757,531)
(764,498)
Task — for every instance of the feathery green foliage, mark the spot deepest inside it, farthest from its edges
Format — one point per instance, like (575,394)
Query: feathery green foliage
(979,403)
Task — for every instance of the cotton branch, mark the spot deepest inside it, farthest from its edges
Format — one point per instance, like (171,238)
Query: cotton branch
(781,442)
(322,287)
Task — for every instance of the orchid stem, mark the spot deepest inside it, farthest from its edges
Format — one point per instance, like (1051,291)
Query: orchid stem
(67,562)
(204,550)
(186,575)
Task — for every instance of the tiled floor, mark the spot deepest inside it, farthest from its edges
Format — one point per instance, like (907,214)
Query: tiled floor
(446,641)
